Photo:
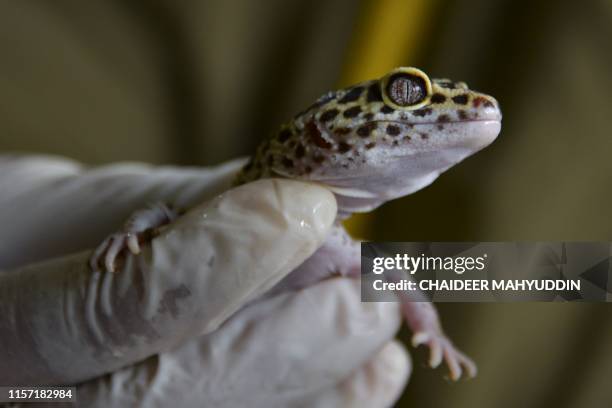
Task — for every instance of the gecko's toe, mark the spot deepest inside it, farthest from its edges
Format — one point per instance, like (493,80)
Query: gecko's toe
(435,358)
(453,365)
(94,260)
(469,365)
(419,338)
(118,242)
(132,243)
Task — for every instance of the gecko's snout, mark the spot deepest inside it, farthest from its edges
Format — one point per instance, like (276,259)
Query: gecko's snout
(486,107)
(484,133)
(478,134)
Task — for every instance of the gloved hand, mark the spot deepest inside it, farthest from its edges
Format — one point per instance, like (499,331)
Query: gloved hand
(170,327)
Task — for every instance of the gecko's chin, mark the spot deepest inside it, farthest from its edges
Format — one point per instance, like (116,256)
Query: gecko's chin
(480,134)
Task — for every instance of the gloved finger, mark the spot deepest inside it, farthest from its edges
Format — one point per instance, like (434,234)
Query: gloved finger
(53,206)
(62,323)
(377,384)
(274,353)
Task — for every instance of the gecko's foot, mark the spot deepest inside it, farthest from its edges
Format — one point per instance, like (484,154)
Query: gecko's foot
(140,227)
(442,349)
(423,320)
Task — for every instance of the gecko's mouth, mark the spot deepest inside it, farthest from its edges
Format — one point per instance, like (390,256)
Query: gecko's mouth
(413,125)
(457,121)
(490,117)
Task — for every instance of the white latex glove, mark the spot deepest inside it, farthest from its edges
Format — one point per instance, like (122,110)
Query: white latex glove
(170,325)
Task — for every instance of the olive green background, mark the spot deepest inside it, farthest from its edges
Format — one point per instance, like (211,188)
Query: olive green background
(200,82)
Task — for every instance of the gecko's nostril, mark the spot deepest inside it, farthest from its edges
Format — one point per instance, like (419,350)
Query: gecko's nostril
(485,107)
(483,102)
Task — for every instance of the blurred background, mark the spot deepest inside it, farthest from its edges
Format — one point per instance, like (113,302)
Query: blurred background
(200,82)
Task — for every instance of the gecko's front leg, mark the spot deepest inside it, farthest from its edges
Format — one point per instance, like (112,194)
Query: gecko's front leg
(140,226)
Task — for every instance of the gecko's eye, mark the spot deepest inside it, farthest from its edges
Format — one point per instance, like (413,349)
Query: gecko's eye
(406,88)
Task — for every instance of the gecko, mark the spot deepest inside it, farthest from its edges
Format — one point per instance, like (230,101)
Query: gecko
(369,143)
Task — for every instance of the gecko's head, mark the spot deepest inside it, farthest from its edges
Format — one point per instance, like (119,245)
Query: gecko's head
(384,138)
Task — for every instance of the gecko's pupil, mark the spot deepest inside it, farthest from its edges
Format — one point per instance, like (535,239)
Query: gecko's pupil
(405,90)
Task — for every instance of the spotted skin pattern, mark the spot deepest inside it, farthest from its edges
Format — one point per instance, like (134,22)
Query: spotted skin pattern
(341,126)
(369,143)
